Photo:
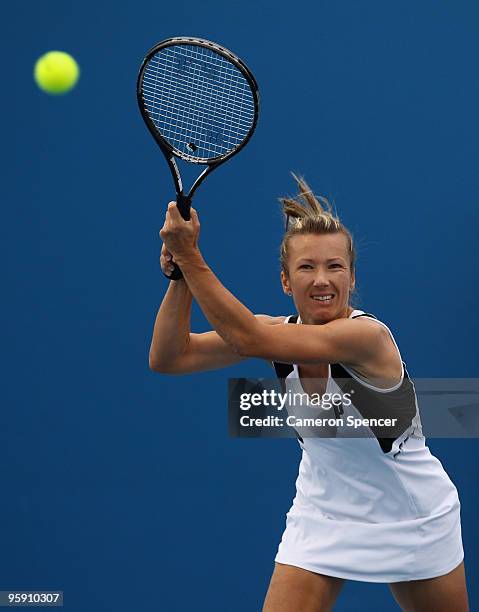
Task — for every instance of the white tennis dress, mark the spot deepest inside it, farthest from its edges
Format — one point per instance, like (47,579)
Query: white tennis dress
(371,513)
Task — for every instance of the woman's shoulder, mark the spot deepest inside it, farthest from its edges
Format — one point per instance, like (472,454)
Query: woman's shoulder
(367,318)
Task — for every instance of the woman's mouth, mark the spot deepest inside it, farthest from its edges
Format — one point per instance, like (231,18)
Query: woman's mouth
(324,299)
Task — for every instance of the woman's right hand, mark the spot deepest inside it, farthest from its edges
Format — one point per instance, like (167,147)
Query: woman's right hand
(166,261)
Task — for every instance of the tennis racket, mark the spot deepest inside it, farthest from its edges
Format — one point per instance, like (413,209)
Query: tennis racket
(200,103)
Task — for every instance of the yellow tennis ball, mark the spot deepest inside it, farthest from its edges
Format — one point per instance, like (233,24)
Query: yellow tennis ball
(56,72)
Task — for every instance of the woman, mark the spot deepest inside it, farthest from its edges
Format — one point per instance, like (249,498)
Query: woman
(375,509)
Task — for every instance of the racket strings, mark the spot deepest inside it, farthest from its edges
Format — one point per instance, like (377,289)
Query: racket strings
(194,117)
(150,94)
(200,102)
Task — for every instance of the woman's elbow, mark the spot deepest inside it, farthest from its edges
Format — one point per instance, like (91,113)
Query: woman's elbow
(250,343)
(156,365)
(153,364)
(245,347)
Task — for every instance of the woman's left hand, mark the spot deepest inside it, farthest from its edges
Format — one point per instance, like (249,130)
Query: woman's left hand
(180,236)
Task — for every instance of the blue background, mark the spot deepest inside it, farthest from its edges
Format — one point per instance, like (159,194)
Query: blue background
(121,486)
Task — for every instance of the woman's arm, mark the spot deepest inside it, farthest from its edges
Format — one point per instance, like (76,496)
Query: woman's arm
(174,350)
(206,351)
(171,332)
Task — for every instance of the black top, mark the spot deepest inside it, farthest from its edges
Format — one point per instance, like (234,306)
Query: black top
(399,403)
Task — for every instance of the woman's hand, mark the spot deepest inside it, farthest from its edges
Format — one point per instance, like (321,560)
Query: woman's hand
(166,261)
(180,237)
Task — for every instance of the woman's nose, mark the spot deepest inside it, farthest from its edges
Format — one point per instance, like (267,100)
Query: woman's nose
(321,279)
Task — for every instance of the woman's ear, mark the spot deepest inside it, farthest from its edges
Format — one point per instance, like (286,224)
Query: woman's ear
(285,283)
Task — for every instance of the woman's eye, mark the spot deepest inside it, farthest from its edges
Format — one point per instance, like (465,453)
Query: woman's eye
(304,266)
(336,265)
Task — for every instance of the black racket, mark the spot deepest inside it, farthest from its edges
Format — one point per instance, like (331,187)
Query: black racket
(200,103)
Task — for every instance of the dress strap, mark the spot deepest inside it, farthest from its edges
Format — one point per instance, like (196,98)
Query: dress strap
(364,314)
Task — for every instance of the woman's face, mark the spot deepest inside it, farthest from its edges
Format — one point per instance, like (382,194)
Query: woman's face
(319,276)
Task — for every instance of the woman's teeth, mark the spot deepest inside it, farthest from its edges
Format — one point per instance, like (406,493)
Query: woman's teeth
(323,298)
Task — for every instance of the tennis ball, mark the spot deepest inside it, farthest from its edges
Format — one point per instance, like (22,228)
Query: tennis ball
(56,72)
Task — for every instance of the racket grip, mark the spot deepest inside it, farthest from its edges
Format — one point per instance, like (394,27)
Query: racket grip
(176,274)
(184,204)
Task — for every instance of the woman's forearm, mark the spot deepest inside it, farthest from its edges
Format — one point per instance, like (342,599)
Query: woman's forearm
(171,332)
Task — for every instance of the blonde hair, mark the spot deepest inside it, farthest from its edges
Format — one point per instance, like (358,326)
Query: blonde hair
(310,214)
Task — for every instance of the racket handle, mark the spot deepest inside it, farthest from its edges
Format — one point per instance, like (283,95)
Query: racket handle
(184,205)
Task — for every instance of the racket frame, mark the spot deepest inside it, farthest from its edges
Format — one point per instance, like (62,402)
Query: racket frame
(170,152)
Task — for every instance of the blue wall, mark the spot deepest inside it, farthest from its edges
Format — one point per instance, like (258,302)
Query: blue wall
(120,486)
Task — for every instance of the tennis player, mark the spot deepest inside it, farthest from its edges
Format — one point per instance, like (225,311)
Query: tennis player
(373,509)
